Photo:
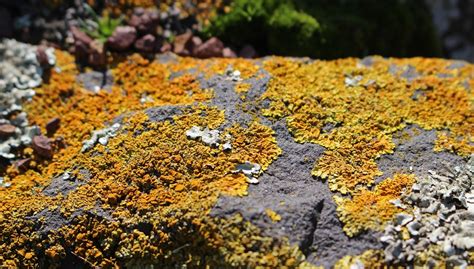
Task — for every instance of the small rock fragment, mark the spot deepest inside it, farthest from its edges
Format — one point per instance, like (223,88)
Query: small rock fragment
(42,146)
(182,44)
(211,48)
(52,125)
(147,43)
(7,130)
(97,56)
(228,53)
(23,164)
(122,38)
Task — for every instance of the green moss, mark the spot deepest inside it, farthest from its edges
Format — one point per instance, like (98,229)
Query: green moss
(329,29)
(287,23)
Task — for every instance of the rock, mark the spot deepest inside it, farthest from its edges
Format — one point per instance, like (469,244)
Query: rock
(248,52)
(52,125)
(188,159)
(23,164)
(122,38)
(147,43)
(146,22)
(7,130)
(42,146)
(182,44)
(80,36)
(134,21)
(166,47)
(42,57)
(81,43)
(228,53)
(97,55)
(196,41)
(211,48)
(45,56)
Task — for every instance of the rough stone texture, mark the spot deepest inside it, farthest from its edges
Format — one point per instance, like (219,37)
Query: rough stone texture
(122,38)
(414,154)
(308,213)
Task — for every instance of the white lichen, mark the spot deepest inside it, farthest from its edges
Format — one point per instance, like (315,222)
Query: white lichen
(350,81)
(20,73)
(209,137)
(233,75)
(443,215)
(250,170)
(4,184)
(101,136)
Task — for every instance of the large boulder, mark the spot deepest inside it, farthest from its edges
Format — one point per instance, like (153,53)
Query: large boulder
(272,163)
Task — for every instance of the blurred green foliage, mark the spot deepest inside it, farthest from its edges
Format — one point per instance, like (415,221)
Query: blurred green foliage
(329,28)
(104,26)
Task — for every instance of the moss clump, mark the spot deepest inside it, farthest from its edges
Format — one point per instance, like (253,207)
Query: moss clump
(329,29)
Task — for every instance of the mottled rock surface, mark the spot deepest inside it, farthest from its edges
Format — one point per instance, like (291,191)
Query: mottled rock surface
(275,162)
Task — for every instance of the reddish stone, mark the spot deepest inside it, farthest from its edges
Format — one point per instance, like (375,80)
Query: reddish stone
(148,22)
(248,52)
(97,56)
(42,146)
(228,53)
(182,44)
(165,47)
(7,130)
(23,164)
(80,36)
(134,21)
(147,43)
(81,43)
(122,38)
(211,48)
(81,51)
(42,57)
(52,125)
(196,41)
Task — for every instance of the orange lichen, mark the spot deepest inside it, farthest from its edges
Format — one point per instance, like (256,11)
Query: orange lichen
(272,215)
(242,88)
(150,173)
(353,110)
(145,197)
(372,209)
(368,259)
(210,67)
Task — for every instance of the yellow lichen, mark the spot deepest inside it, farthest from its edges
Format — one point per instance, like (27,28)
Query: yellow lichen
(149,174)
(275,217)
(368,259)
(242,88)
(371,209)
(353,111)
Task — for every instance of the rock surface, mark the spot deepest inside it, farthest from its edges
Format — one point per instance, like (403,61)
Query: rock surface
(271,162)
